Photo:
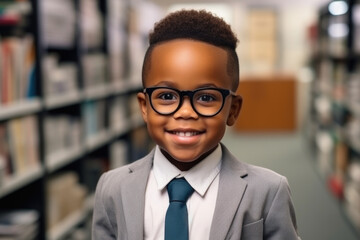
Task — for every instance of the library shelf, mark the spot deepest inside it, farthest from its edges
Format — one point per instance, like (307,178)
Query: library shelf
(335,106)
(60,230)
(18,181)
(22,107)
(97,92)
(98,140)
(76,101)
(56,160)
(66,99)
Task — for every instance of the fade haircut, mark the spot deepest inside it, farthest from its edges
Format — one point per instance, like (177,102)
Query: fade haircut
(196,25)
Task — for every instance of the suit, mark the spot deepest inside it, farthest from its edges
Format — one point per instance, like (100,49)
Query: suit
(253,203)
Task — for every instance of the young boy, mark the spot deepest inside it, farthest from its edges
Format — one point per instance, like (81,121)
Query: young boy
(190,76)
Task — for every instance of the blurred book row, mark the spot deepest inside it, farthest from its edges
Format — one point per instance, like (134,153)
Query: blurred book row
(69,75)
(335,113)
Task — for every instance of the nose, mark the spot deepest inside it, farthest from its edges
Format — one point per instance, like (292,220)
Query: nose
(186,110)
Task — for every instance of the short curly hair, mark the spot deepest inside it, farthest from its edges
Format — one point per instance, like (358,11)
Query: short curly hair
(196,25)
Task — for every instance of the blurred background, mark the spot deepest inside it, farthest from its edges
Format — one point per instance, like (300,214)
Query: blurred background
(70,71)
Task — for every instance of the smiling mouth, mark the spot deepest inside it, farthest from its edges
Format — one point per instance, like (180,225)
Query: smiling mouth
(186,133)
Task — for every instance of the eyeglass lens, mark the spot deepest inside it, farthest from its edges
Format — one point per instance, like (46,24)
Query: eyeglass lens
(206,102)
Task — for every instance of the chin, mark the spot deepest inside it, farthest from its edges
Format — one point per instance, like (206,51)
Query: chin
(186,156)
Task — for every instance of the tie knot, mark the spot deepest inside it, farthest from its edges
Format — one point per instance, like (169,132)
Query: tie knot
(179,190)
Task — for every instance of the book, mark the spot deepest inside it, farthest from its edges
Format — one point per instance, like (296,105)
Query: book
(7,167)
(94,115)
(16,146)
(23,148)
(30,126)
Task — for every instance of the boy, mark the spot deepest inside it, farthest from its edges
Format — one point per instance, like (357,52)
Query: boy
(190,75)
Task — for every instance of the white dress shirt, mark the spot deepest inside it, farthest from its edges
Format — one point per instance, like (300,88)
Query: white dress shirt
(203,177)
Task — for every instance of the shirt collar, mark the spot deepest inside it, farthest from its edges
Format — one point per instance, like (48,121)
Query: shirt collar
(199,177)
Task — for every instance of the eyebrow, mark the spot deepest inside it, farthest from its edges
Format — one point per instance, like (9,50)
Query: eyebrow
(173,85)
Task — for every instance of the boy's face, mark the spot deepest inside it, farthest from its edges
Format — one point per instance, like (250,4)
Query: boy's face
(185,136)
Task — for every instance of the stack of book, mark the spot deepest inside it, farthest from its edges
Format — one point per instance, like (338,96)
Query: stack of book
(19,224)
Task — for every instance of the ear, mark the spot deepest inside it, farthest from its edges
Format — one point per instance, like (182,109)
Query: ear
(142,103)
(234,110)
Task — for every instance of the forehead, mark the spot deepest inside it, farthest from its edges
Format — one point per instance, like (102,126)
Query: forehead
(188,63)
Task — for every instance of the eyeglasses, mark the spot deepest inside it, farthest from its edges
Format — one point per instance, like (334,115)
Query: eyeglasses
(206,102)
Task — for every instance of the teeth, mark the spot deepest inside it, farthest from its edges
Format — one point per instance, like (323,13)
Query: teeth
(186,134)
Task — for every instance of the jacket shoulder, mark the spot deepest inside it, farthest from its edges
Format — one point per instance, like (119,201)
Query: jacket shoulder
(263,179)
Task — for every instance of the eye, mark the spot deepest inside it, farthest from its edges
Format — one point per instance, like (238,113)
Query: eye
(167,96)
(206,98)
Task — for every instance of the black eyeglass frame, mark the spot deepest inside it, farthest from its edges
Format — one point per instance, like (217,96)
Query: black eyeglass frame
(190,94)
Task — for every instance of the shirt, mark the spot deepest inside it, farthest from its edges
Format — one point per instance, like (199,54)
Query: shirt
(203,177)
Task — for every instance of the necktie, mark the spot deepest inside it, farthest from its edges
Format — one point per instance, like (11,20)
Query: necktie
(176,220)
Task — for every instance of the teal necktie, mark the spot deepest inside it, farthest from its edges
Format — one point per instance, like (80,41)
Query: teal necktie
(176,220)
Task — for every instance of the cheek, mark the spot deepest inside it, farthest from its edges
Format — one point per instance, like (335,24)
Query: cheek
(217,125)
(155,123)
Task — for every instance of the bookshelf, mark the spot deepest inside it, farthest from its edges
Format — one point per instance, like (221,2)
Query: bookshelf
(335,119)
(71,88)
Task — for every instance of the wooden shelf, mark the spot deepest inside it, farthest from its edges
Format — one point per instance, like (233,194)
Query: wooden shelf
(16,182)
(98,140)
(19,108)
(63,157)
(59,231)
(97,92)
(63,100)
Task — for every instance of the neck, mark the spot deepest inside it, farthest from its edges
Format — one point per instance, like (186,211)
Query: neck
(185,166)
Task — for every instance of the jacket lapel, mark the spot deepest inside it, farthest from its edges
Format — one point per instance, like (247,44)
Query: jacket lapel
(231,190)
(134,196)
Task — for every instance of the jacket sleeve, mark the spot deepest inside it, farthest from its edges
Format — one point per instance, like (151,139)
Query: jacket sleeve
(101,225)
(280,223)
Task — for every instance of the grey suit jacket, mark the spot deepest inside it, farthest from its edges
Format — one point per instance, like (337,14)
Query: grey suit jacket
(252,203)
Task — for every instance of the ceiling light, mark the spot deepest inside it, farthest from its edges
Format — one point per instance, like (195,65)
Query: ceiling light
(338,7)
